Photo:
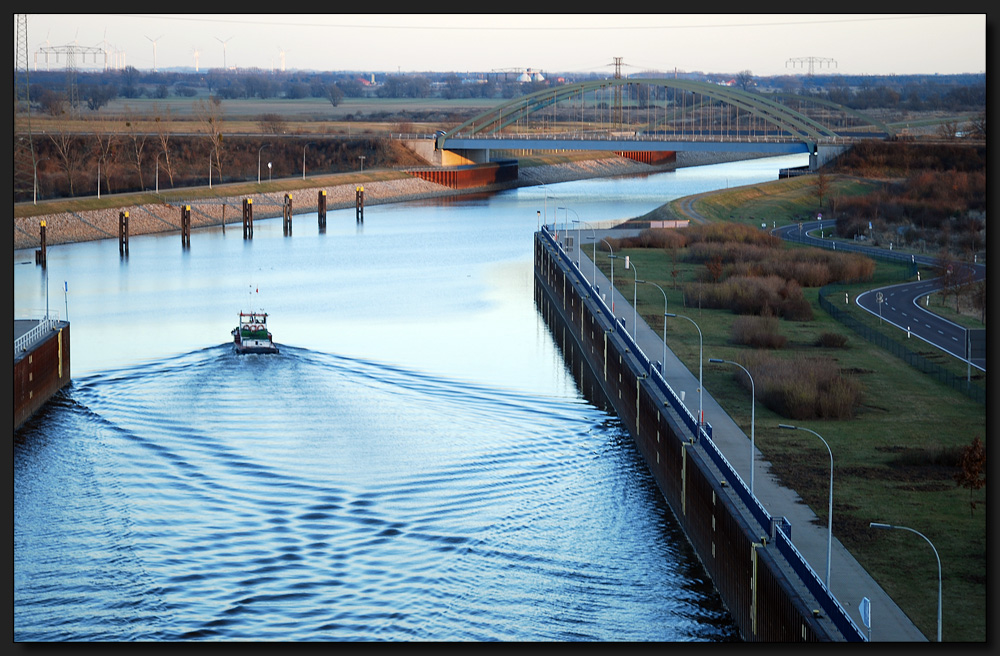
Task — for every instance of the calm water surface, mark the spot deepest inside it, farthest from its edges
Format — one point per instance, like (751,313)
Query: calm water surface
(416,463)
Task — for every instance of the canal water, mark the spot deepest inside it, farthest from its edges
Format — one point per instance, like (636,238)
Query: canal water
(416,464)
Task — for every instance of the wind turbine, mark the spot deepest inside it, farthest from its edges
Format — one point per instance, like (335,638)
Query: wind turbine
(154,50)
(223,49)
(105,42)
(281,53)
(196,54)
(47,46)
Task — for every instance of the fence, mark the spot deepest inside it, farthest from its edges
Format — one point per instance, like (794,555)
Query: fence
(910,357)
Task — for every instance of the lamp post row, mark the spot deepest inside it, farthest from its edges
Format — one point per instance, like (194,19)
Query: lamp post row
(829,540)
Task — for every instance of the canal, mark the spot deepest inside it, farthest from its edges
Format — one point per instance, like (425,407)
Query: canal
(416,464)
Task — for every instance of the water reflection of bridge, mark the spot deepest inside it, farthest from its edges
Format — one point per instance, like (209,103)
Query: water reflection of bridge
(650,115)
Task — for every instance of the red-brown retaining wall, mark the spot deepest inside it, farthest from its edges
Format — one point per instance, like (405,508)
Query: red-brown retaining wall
(473,175)
(39,373)
(652,156)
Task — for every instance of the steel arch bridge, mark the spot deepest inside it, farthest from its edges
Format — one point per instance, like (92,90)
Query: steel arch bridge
(662,114)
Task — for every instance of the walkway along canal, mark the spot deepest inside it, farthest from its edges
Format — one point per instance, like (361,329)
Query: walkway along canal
(743,539)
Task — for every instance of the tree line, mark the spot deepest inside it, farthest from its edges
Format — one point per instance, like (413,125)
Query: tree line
(52,89)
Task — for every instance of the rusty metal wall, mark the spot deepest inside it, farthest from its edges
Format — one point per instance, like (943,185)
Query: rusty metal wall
(39,373)
(466,177)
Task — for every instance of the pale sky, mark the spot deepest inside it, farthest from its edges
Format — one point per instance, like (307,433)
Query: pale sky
(765,44)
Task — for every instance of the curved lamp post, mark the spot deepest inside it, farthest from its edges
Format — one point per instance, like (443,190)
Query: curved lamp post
(304,158)
(258,160)
(829,510)
(612,258)
(663,362)
(566,211)
(593,280)
(34,200)
(753,405)
(701,386)
(635,289)
(904,528)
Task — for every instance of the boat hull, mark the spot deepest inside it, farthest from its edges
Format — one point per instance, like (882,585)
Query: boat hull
(244,350)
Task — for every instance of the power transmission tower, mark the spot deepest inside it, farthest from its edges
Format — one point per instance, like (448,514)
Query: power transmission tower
(24,149)
(811,61)
(618,94)
(71,52)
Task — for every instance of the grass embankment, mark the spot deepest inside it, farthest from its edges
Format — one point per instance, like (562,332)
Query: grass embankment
(278,185)
(894,461)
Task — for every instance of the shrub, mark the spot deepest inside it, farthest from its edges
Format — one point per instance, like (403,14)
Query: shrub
(831,340)
(758,332)
(810,389)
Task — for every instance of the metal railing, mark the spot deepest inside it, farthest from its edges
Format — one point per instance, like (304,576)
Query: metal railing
(782,542)
(33,336)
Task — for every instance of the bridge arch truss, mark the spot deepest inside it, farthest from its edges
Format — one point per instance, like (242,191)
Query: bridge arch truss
(670,109)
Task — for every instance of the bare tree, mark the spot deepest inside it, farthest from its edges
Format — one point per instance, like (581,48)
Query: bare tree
(210,115)
(107,150)
(822,186)
(972,470)
(979,298)
(70,155)
(163,133)
(272,123)
(979,126)
(137,140)
(744,80)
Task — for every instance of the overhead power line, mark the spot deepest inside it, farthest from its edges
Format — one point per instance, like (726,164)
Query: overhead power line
(811,61)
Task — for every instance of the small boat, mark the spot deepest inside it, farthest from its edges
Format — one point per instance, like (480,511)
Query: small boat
(252,335)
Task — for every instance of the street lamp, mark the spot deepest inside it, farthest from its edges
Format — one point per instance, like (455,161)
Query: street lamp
(577,220)
(269,171)
(35,197)
(612,258)
(753,404)
(635,289)
(663,362)
(258,161)
(593,281)
(304,158)
(701,386)
(904,528)
(157,175)
(362,158)
(829,510)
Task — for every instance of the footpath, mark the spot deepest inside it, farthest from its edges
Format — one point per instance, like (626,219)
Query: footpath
(849,581)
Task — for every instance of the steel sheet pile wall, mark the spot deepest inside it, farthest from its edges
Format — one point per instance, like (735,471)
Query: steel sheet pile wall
(770,596)
(40,372)
(473,175)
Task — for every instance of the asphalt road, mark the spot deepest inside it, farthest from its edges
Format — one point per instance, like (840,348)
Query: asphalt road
(900,305)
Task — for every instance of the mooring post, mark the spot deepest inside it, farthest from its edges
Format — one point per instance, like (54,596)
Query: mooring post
(359,204)
(286,211)
(123,233)
(186,226)
(248,218)
(40,253)
(321,209)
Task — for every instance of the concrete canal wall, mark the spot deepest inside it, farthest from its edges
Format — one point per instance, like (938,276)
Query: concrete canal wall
(769,589)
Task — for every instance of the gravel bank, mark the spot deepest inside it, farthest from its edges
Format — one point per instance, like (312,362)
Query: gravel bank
(72,227)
